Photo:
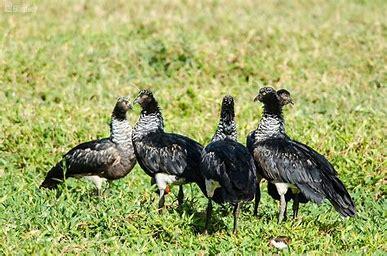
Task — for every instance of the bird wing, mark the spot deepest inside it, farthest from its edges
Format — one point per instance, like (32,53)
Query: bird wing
(250,142)
(91,157)
(166,153)
(318,159)
(332,186)
(282,161)
(239,161)
(212,166)
(231,165)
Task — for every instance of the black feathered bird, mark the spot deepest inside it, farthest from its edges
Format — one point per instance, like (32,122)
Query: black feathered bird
(168,158)
(99,160)
(289,164)
(227,165)
(271,188)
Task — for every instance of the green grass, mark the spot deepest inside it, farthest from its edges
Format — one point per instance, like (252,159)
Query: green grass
(63,66)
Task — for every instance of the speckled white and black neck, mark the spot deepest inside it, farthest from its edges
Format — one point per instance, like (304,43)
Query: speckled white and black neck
(148,123)
(225,130)
(271,125)
(121,133)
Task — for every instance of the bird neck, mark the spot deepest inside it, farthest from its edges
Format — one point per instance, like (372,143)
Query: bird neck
(152,106)
(271,125)
(119,113)
(147,123)
(121,132)
(226,130)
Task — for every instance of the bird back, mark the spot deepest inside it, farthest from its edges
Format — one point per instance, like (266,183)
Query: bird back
(230,163)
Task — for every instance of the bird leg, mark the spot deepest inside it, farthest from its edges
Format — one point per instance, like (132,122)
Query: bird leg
(286,210)
(110,183)
(282,188)
(236,214)
(151,198)
(296,204)
(282,210)
(108,186)
(98,182)
(153,181)
(208,215)
(161,199)
(180,196)
(162,185)
(257,200)
(99,192)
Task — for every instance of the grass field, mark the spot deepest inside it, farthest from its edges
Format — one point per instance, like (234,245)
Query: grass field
(62,66)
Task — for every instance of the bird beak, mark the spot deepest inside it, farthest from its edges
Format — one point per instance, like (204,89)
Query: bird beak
(136,101)
(291,102)
(256,98)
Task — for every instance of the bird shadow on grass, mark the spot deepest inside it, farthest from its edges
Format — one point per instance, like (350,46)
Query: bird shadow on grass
(65,192)
(327,228)
(189,207)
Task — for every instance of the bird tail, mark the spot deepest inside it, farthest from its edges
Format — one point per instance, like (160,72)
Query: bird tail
(338,195)
(54,177)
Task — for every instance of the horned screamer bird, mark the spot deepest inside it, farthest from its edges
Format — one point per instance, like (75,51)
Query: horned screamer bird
(289,164)
(227,166)
(271,188)
(168,158)
(99,160)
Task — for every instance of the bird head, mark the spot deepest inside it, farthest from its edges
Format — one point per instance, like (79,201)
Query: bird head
(122,106)
(284,97)
(227,107)
(146,100)
(269,96)
(266,95)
